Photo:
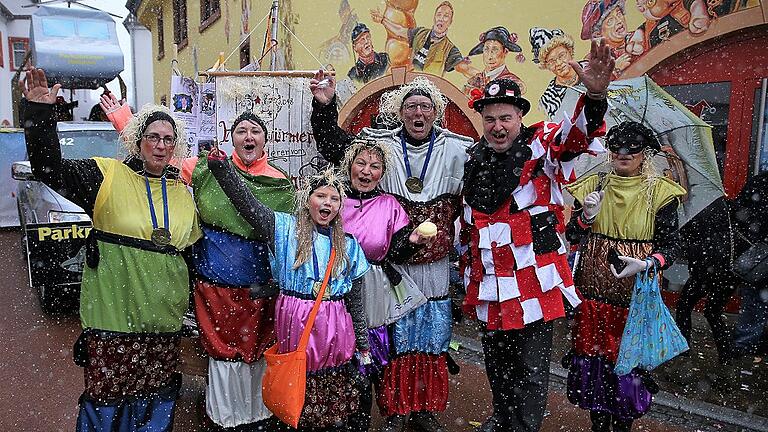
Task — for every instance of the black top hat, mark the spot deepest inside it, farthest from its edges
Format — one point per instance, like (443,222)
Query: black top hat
(631,137)
(500,34)
(502,90)
(359,29)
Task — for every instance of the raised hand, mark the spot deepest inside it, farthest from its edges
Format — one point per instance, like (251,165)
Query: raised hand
(596,75)
(109,103)
(323,87)
(34,86)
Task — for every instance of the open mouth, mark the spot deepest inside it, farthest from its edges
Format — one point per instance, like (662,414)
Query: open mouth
(325,213)
(249,147)
(418,123)
(364,181)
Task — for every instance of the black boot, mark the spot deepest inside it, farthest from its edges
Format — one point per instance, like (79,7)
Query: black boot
(601,422)
(425,421)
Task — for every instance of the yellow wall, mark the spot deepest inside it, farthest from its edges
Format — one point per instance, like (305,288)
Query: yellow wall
(316,22)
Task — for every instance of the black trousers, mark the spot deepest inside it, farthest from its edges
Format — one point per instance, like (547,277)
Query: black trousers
(517,364)
(603,422)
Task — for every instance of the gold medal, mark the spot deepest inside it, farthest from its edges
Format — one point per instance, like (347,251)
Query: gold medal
(316,289)
(414,184)
(161,237)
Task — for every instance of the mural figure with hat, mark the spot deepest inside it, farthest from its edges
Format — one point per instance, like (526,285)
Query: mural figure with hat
(401,13)
(515,265)
(369,64)
(607,19)
(666,18)
(433,51)
(629,213)
(425,177)
(494,45)
(553,50)
(336,49)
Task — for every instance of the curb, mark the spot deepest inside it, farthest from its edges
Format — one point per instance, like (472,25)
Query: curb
(707,412)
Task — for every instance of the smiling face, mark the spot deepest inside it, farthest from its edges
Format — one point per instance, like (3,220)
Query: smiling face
(557,61)
(443,19)
(416,120)
(156,156)
(627,165)
(248,139)
(366,171)
(363,45)
(494,54)
(501,125)
(324,204)
(614,27)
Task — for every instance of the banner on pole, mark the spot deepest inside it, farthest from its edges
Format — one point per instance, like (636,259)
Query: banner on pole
(284,104)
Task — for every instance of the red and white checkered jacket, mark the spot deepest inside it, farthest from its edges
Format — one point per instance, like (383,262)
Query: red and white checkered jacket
(515,264)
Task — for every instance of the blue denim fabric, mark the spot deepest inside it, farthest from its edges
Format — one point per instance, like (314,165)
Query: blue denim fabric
(228,259)
(151,414)
(426,329)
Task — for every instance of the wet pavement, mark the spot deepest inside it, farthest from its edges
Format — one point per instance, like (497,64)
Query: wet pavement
(41,384)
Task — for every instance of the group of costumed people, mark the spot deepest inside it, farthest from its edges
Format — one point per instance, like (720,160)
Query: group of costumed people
(382,225)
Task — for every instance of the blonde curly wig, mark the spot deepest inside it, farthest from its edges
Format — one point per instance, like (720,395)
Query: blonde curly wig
(305,226)
(564,40)
(360,145)
(392,101)
(132,134)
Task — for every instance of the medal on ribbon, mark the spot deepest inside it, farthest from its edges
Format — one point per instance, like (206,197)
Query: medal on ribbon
(161,236)
(412,183)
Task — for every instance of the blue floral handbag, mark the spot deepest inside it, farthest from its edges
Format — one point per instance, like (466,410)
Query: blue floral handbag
(650,336)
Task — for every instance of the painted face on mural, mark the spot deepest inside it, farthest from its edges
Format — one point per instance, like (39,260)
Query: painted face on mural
(655,10)
(614,27)
(494,54)
(248,139)
(418,114)
(557,61)
(443,19)
(363,45)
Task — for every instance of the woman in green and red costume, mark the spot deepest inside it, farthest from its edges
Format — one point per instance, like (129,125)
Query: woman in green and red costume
(234,296)
(135,286)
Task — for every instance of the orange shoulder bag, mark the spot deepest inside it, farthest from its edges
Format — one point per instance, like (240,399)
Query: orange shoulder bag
(285,381)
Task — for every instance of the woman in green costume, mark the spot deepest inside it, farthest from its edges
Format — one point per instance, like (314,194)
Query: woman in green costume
(135,286)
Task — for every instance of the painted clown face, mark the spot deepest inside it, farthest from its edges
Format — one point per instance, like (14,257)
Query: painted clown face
(614,27)
(494,54)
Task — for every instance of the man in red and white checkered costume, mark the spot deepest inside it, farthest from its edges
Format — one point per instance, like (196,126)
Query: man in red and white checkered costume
(514,266)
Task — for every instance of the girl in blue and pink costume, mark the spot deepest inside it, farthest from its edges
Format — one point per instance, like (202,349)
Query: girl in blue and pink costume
(300,247)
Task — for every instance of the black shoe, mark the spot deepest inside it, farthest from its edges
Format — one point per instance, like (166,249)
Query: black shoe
(394,423)
(425,421)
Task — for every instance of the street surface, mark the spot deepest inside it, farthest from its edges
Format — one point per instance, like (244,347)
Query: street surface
(41,384)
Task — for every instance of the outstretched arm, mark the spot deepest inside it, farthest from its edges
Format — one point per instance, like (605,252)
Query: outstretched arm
(259,216)
(332,140)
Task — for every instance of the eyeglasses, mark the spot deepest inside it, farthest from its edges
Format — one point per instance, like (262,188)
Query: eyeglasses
(153,139)
(425,107)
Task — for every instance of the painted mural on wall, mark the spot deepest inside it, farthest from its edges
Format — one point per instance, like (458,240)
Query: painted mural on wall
(470,43)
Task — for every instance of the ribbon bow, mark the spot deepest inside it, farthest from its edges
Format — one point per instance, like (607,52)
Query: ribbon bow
(474,95)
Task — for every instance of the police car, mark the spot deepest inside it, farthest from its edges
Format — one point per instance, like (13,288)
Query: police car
(54,228)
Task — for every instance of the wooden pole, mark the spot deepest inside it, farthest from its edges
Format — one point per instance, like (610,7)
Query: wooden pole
(290,74)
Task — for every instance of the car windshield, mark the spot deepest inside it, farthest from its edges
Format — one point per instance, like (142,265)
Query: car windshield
(84,144)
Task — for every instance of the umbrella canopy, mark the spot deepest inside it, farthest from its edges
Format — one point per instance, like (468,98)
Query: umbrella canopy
(688,153)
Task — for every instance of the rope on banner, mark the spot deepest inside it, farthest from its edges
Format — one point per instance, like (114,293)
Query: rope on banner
(322,66)
(249,35)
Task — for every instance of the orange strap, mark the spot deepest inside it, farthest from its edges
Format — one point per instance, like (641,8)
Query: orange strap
(304,341)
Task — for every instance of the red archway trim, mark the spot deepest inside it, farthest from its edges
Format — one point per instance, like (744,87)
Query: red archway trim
(736,21)
(399,76)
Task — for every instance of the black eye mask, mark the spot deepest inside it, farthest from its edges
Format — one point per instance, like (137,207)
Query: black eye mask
(631,138)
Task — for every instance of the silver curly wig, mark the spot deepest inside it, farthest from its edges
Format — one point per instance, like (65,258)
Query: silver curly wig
(392,101)
(132,134)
